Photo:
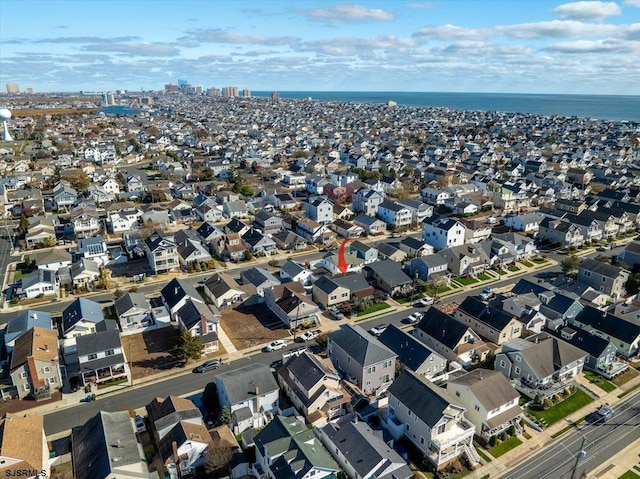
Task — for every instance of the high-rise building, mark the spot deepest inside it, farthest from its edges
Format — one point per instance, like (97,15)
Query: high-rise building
(105,99)
(13,88)
(171,88)
(111,99)
(231,91)
(213,91)
(246,93)
(198,90)
(275,96)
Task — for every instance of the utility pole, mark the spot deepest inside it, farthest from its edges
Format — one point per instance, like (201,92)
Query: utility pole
(580,455)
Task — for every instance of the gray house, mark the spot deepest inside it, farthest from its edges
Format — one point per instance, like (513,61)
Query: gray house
(389,277)
(363,359)
(603,277)
(424,267)
(630,255)
(268,223)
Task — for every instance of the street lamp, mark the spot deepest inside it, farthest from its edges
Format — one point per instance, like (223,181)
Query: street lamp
(580,455)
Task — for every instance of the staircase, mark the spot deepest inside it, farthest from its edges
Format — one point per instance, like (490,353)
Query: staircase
(471,453)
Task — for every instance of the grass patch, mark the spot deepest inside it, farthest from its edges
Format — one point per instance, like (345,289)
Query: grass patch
(526,435)
(539,260)
(466,281)
(561,410)
(526,263)
(17,275)
(513,268)
(620,396)
(505,447)
(117,382)
(484,277)
(625,377)
(629,475)
(483,455)
(374,308)
(486,476)
(599,381)
(566,428)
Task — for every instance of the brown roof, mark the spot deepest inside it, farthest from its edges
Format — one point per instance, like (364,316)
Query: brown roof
(491,388)
(21,437)
(222,436)
(161,407)
(38,343)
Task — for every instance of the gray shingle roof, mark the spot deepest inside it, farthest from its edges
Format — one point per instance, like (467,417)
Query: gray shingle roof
(241,383)
(442,327)
(598,267)
(411,352)
(365,349)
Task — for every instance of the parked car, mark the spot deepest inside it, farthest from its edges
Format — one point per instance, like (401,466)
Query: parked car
(334,313)
(602,414)
(141,426)
(307,336)
(275,345)
(414,318)
(486,293)
(379,329)
(208,366)
(395,235)
(426,301)
(604,247)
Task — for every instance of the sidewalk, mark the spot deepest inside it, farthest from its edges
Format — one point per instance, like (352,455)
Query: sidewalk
(542,440)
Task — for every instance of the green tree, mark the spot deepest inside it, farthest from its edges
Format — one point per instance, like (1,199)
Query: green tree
(23,227)
(225,416)
(188,347)
(78,179)
(435,284)
(569,264)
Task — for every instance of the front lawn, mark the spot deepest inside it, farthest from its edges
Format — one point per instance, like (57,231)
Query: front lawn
(526,263)
(466,281)
(562,409)
(539,260)
(629,475)
(374,308)
(599,381)
(513,268)
(484,277)
(506,446)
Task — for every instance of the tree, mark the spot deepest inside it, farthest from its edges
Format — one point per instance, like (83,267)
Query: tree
(569,264)
(23,227)
(78,179)
(435,284)
(224,417)
(188,347)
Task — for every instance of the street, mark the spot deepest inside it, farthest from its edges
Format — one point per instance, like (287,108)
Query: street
(602,441)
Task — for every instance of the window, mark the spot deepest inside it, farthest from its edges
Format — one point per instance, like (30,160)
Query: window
(92,356)
(46,369)
(109,352)
(52,380)
(26,387)
(441,428)
(23,375)
(518,358)
(517,370)
(476,407)
(407,427)
(458,393)
(422,440)
(502,364)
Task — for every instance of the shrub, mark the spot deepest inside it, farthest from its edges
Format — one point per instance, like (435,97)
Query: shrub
(567,391)
(557,398)
(492,441)
(537,399)
(547,403)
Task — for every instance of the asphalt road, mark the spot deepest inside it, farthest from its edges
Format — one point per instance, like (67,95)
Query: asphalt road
(602,442)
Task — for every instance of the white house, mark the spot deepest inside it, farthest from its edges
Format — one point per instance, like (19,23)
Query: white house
(394,214)
(443,232)
(527,222)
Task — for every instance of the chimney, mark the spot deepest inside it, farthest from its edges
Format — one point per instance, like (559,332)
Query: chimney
(120,443)
(203,325)
(176,458)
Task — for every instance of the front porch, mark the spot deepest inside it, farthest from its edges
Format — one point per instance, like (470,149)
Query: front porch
(103,375)
(611,370)
(545,390)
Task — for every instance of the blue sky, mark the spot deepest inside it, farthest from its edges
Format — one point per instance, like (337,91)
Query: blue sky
(516,46)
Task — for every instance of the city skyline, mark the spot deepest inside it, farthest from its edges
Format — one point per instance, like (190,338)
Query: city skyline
(584,47)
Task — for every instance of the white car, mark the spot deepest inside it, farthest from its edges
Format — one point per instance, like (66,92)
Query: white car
(141,426)
(426,301)
(414,318)
(379,329)
(275,345)
(308,336)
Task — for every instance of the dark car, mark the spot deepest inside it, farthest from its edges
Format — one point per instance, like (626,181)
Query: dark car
(208,366)
(602,414)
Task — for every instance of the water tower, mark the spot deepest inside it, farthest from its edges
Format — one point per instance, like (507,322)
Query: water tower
(4,116)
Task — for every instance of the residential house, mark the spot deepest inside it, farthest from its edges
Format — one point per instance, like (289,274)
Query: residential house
(35,364)
(625,335)
(630,255)
(319,209)
(53,260)
(371,224)
(230,247)
(362,358)
(222,290)
(291,305)
(137,313)
(394,215)
(413,354)
(250,393)
(520,247)
(430,419)
(38,283)
(258,243)
(288,240)
(527,222)
(260,278)
(415,247)
(40,233)
(292,271)
(101,357)
(106,446)
(603,277)
(190,249)
(362,453)
(443,232)
(85,221)
(286,447)
(313,386)
(80,318)
(283,201)
(426,267)
(389,277)
(559,231)
(491,323)
(162,253)
(450,338)
(94,248)
(328,293)
(490,402)
(314,184)
(208,212)
(99,195)
(176,293)
(22,323)
(366,201)
(341,212)
(201,321)
(466,260)
(313,232)
(235,209)
(121,221)
(419,210)
(84,273)
(268,222)
(541,364)
(64,197)
(367,253)
(360,291)
(23,445)
(133,183)
(209,232)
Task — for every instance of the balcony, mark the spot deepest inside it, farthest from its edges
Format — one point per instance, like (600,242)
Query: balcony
(461,432)
(612,369)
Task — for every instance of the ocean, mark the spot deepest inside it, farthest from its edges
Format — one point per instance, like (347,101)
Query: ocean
(604,107)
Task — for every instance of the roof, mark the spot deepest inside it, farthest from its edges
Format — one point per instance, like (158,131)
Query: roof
(366,219)
(608,324)
(292,268)
(580,338)
(192,313)
(80,309)
(106,444)
(354,282)
(598,267)
(40,344)
(25,321)
(390,272)
(411,352)
(307,369)
(295,446)
(220,283)
(38,276)
(491,388)
(326,284)
(170,410)
(259,276)
(240,384)
(489,315)
(366,452)
(129,301)
(442,327)
(100,341)
(22,439)
(182,432)
(424,399)
(363,348)
(176,290)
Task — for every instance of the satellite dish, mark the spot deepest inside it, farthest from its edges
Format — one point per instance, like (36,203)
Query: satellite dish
(5,114)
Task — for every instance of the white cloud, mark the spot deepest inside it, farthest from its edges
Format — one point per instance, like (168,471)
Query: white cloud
(220,36)
(136,49)
(633,3)
(420,5)
(595,46)
(451,32)
(345,13)
(557,29)
(591,10)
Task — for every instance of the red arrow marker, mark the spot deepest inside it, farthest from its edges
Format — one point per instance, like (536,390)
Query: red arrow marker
(342,262)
